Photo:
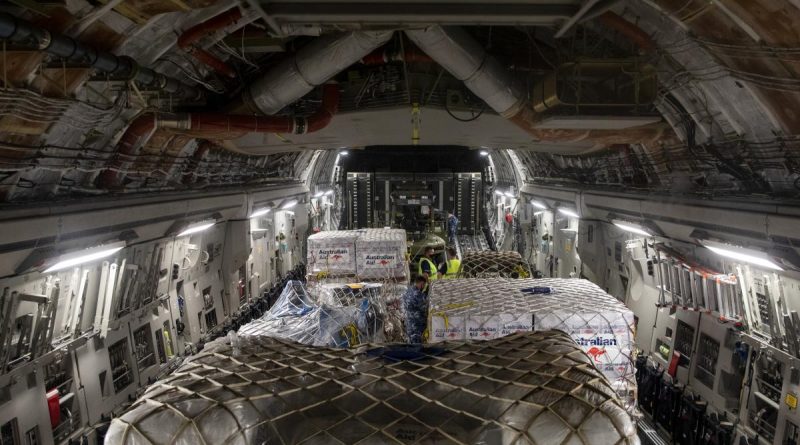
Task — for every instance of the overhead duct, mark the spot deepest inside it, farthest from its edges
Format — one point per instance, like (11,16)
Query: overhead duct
(312,66)
(462,56)
(219,126)
(232,126)
(284,84)
(23,32)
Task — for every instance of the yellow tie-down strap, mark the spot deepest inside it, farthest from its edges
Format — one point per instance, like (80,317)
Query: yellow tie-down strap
(350,332)
(448,307)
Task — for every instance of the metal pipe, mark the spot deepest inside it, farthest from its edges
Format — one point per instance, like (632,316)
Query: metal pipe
(461,55)
(218,126)
(231,126)
(22,32)
(137,132)
(312,66)
(192,35)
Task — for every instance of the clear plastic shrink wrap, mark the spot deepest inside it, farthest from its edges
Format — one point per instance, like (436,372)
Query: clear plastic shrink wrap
(353,315)
(493,307)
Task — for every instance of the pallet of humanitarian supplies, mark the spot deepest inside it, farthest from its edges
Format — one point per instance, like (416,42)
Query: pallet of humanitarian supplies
(488,308)
(344,316)
(529,388)
(334,314)
(369,254)
(331,253)
(493,264)
(381,254)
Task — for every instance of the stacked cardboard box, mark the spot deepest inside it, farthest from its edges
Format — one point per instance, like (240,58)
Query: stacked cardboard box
(369,254)
(381,254)
(332,253)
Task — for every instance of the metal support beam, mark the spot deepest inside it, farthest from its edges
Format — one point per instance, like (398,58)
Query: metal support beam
(575,18)
(441,12)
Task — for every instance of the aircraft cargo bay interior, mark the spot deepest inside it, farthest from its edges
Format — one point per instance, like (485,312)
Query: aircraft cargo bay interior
(451,222)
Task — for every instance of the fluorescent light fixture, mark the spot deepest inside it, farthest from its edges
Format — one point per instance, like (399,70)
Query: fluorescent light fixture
(328,193)
(632,227)
(261,212)
(568,212)
(510,195)
(538,213)
(319,195)
(539,205)
(344,153)
(498,193)
(289,204)
(741,254)
(196,228)
(85,256)
(483,153)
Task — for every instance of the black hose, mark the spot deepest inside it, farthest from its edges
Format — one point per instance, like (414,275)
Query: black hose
(446,108)
(24,33)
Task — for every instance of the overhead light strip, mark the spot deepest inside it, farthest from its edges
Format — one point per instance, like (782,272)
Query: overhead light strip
(741,254)
(568,212)
(85,256)
(632,227)
(197,228)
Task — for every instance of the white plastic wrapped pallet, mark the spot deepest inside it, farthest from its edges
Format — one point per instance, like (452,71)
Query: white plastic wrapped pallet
(343,316)
(380,254)
(489,308)
(332,252)
(371,254)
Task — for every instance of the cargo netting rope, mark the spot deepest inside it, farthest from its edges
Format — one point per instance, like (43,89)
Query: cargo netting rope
(493,264)
(488,308)
(529,388)
(333,314)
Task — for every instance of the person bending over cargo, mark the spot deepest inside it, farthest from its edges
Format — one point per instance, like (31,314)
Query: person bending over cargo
(415,306)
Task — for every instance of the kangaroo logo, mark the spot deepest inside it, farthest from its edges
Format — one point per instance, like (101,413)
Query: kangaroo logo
(596,352)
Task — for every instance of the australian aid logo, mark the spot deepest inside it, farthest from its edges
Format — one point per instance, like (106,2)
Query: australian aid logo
(601,349)
(337,255)
(380,260)
(453,328)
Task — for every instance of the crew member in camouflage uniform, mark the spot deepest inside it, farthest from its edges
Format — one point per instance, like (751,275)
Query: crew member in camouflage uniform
(415,306)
